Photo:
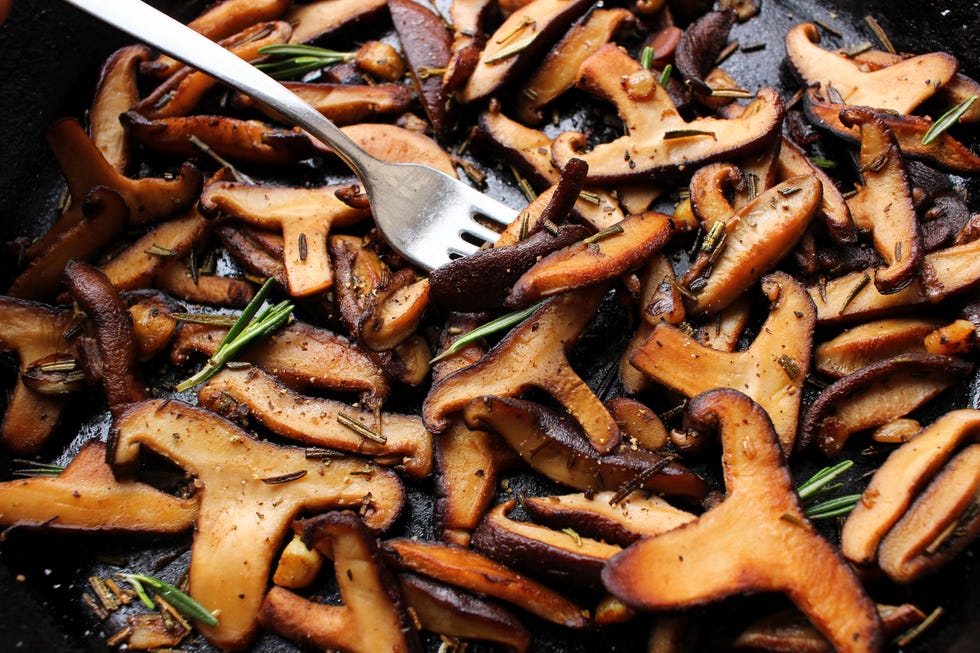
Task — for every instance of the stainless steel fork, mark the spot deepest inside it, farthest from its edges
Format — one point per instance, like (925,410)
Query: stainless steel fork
(423,213)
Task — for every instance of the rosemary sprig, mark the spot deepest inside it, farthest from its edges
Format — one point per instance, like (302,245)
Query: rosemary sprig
(948,119)
(836,507)
(810,490)
(646,57)
(249,326)
(297,60)
(665,75)
(35,468)
(499,324)
(179,600)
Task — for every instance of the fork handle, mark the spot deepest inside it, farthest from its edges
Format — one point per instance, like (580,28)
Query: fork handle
(184,44)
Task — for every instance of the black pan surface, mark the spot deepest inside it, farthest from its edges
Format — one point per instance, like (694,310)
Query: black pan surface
(49,59)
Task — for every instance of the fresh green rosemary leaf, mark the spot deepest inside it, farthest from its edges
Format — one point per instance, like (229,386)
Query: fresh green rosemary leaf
(499,324)
(948,119)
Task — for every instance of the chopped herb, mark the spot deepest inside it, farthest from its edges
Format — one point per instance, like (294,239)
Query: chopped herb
(35,468)
(794,520)
(906,638)
(179,600)
(638,481)
(789,366)
(605,233)
(570,532)
(67,365)
(499,324)
(858,49)
(525,22)
(511,50)
(789,190)
(361,429)
(836,507)
(646,58)
(284,478)
(754,47)
(239,176)
(665,75)
(858,287)
(876,164)
(206,318)
(826,164)
(589,196)
(550,227)
(160,250)
(830,29)
(686,133)
(247,327)
(809,490)
(880,33)
(524,185)
(424,72)
(948,119)
(530,94)
(732,93)
(727,52)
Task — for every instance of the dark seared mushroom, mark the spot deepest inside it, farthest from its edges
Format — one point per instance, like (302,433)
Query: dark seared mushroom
(771,371)
(467,19)
(557,72)
(300,355)
(669,145)
(373,616)
(478,573)
(875,395)
(553,445)
(519,42)
(398,440)
(902,477)
(885,201)
(872,342)
(259,487)
(117,366)
(724,552)
(794,162)
(116,93)
(245,245)
(86,496)
(699,47)
(545,337)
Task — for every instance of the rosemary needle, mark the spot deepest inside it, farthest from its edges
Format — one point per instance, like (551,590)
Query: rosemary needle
(948,119)
(502,322)
(179,600)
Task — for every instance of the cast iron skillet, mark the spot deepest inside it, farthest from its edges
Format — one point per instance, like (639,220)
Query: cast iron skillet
(49,59)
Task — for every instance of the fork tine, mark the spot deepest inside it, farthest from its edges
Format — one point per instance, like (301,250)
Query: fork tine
(492,209)
(462,248)
(478,230)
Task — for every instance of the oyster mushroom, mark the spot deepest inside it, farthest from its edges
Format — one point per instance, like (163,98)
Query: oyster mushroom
(762,553)
(257,486)
(86,496)
(667,146)
(771,371)
(373,616)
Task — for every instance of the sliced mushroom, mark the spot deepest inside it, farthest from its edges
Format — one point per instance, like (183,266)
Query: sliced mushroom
(34,331)
(957,338)
(249,141)
(557,72)
(595,259)
(725,329)
(668,145)
(794,162)
(699,46)
(305,216)
(318,20)
(900,88)
(553,445)
(771,371)
(467,19)
(87,497)
(520,41)
(300,355)
(885,200)
(176,279)
(561,555)
(104,218)
(116,93)
(874,396)
(245,245)
(941,523)
(900,478)
(344,104)
(545,337)
(395,312)
(604,517)
(113,326)
(478,573)
(258,487)
(466,480)
(755,239)
(680,569)
(154,324)
(445,610)
(428,48)
(388,438)
(398,145)
(851,297)
(373,616)
(872,342)
(640,425)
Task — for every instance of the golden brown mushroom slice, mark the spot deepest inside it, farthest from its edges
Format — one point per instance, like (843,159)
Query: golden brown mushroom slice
(453,613)
(305,216)
(900,88)
(466,480)
(885,201)
(771,371)
(466,18)
(793,162)
(758,535)
(176,279)
(620,249)
(257,487)
(474,571)
(754,240)
(373,616)
(554,445)
(116,93)
(942,522)
(852,297)
(154,324)
(395,312)
(319,19)
(900,478)
(246,246)
(389,439)
(876,395)
(300,355)
(558,71)
(871,342)
(344,104)
(519,42)
(545,338)
(666,145)
(605,516)
(561,555)
(86,496)
(640,425)
(35,332)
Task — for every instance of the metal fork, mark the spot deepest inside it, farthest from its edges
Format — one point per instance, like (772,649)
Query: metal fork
(423,213)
